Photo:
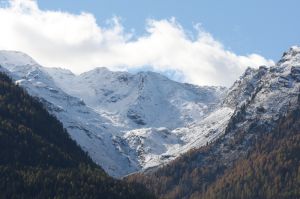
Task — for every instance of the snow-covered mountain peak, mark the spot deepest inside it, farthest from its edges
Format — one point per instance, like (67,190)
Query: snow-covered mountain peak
(133,121)
(97,71)
(290,57)
(295,48)
(261,97)
(20,64)
(15,58)
(267,92)
(60,71)
(135,100)
(152,75)
(244,88)
(125,121)
(140,105)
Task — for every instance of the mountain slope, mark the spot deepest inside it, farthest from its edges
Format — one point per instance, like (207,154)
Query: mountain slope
(136,99)
(270,170)
(114,115)
(39,160)
(259,99)
(85,126)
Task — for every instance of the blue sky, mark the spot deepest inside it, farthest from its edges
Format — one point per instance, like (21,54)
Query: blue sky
(199,42)
(267,27)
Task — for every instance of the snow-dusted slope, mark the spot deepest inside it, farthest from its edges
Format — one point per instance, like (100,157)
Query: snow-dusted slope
(126,122)
(157,117)
(85,126)
(260,97)
(130,122)
(268,91)
(253,104)
(161,145)
(145,99)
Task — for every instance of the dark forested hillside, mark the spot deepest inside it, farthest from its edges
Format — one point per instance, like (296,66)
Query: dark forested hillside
(39,160)
(270,170)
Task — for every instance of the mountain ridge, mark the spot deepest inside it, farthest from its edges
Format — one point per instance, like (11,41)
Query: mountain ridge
(113,115)
(208,128)
(262,97)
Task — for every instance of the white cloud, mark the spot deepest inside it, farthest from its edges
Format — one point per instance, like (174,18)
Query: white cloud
(77,42)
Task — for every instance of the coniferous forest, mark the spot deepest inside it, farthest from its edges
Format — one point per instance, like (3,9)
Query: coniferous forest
(39,160)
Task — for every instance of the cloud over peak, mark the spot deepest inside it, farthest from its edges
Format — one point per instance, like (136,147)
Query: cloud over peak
(77,42)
